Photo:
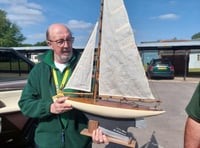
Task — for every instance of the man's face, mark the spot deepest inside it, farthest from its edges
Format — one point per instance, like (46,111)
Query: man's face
(60,40)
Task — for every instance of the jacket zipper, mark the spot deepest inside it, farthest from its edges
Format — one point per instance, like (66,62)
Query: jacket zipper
(63,138)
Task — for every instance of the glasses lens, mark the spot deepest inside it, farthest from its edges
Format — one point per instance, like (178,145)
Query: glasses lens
(61,42)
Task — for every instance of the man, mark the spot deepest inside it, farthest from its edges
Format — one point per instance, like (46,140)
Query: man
(192,127)
(59,124)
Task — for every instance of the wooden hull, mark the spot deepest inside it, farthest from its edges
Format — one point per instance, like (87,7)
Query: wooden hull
(111,109)
(101,108)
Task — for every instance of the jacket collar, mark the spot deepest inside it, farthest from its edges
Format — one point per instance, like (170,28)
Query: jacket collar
(48,58)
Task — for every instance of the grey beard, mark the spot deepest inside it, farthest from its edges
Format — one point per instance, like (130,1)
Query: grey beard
(65,59)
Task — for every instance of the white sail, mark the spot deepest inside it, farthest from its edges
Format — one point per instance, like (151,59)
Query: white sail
(121,72)
(121,69)
(81,78)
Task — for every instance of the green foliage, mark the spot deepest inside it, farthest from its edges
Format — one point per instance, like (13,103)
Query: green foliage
(36,44)
(26,45)
(10,35)
(196,36)
(44,43)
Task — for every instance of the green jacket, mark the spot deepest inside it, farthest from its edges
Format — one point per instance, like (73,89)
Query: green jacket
(35,102)
(193,107)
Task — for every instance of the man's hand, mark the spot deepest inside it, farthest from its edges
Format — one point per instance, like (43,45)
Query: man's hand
(99,138)
(59,106)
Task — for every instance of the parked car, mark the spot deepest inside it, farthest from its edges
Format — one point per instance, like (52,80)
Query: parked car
(160,68)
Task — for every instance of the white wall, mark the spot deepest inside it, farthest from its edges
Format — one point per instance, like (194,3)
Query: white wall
(194,62)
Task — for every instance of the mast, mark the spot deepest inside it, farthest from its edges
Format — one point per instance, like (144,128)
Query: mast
(96,86)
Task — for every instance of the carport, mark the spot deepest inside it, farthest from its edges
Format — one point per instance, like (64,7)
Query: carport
(13,61)
(177,51)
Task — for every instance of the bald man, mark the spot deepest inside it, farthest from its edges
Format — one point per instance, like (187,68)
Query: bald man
(59,124)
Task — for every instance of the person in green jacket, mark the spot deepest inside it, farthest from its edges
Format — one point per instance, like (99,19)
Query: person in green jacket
(59,124)
(192,125)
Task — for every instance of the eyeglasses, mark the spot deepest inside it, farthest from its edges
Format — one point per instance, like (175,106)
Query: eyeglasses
(61,42)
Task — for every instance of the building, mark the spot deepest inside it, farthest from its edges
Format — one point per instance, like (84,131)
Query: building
(184,54)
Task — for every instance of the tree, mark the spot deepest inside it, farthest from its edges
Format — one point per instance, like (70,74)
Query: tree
(196,36)
(44,43)
(10,35)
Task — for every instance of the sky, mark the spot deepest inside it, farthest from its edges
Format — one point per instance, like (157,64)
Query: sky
(151,20)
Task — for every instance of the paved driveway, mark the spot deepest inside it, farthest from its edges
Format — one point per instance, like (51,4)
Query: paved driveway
(167,130)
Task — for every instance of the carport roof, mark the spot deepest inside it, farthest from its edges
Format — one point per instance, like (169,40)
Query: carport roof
(171,45)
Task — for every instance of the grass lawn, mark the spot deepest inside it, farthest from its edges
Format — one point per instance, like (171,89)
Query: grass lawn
(13,65)
(194,70)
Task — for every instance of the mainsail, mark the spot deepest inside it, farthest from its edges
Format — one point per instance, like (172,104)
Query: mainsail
(121,70)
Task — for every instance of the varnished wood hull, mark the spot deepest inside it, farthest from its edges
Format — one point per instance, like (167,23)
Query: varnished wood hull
(111,109)
(101,108)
